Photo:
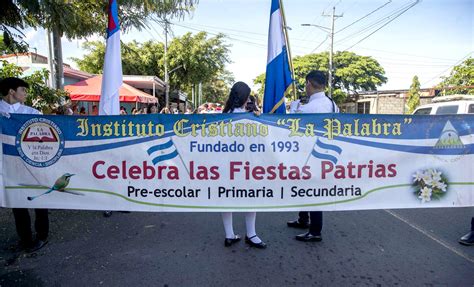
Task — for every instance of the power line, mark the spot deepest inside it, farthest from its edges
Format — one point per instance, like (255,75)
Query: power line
(401,13)
(367,15)
(244,41)
(405,54)
(320,44)
(457,63)
(262,42)
(375,23)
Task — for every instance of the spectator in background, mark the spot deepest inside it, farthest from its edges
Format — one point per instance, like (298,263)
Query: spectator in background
(83,111)
(165,110)
(123,110)
(152,109)
(74,109)
(95,110)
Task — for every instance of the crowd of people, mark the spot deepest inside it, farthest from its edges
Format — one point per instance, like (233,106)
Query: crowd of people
(239,101)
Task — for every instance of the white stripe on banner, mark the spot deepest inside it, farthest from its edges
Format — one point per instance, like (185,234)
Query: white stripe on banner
(276,40)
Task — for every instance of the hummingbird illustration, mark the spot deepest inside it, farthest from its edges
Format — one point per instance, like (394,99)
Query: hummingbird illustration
(60,185)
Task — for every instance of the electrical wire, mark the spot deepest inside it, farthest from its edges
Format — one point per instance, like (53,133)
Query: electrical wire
(398,15)
(444,71)
(363,17)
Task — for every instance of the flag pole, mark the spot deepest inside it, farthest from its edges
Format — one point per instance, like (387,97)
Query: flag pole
(287,40)
(179,154)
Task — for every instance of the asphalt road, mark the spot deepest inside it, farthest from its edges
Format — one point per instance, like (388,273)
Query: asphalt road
(373,248)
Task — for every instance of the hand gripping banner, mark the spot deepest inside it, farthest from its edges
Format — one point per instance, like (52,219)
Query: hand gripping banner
(237,162)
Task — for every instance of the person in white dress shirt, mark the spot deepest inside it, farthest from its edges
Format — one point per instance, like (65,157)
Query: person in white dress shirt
(13,91)
(236,103)
(315,101)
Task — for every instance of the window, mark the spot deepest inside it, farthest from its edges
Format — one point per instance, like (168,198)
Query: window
(425,111)
(363,108)
(447,110)
(470,110)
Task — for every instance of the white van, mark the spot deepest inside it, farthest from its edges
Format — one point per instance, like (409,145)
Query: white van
(448,105)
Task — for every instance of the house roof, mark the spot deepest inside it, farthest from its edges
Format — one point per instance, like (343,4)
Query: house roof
(23,54)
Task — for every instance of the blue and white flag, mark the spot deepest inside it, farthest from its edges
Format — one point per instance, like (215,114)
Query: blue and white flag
(163,151)
(112,79)
(326,151)
(278,74)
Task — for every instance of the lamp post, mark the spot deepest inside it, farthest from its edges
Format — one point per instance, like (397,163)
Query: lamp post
(167,84)
(330,32)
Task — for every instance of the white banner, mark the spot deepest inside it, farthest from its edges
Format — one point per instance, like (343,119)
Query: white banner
(237,162)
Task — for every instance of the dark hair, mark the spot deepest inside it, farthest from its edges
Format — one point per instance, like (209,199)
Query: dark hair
(148,109)
(251,105)
(11,83)
(317,78)
(239,94)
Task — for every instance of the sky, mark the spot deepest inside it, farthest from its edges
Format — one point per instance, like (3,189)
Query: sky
(427,40)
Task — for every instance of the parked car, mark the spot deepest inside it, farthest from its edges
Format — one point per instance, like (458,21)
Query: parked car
(448,105)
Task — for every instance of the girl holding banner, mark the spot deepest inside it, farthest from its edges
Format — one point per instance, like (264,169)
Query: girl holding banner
(236,103)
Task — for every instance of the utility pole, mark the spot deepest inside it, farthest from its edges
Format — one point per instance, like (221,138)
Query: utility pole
(50,60)
(58,59)
(331,34)
(167,88)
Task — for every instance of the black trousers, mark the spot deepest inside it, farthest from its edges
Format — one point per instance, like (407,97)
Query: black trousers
(316,221)
(23,224)
(472,224)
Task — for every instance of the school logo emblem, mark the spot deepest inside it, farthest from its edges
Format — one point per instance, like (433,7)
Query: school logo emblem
(40,142)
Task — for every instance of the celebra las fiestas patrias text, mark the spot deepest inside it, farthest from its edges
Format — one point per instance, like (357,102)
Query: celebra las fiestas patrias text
(238,170)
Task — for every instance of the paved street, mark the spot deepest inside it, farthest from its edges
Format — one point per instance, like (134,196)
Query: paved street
(374,248)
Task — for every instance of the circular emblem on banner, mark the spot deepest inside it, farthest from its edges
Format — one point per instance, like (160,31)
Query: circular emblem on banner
(40,142)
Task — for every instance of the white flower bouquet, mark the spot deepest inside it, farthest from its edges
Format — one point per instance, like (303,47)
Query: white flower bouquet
(429,184)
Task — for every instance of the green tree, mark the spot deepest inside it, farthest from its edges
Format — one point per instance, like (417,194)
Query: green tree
(4,49)
(413,95)
(79,19)
(83,18)
(202,59)
(353,73)
(459,79)
(194,58)
(39,96)
(218,88)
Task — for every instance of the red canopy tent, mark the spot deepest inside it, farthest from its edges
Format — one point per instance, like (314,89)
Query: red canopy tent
(89,91)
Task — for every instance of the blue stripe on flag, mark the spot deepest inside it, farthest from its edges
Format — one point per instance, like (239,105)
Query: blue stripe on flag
(278,78)
(324,156)
(113,13)
(163,146)
(165,157)
(275,6)
(328,146)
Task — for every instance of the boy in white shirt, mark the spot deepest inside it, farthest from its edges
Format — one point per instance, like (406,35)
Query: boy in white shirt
(13,91)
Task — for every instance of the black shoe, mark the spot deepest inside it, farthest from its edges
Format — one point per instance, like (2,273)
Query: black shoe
(297,224)
(308,237)
(260,245)
(37,246)
(467,239)
(107,213)
(25,245)
(229,241)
